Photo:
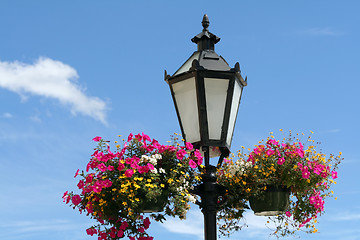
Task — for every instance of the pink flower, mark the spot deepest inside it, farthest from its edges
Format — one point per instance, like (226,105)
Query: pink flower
(180,154)
(102,167)
(269,152)
(281,161)
(76,199)
(107,183)
(150,166)
(146,137)
(305,174)
(334,174)
(89,178)
(111,168)
(189,146)
(77,173)
(192,163)
(66,197)
(138,137)
(143,169)
(96,139)
(288,214)
(97,187)
(121,167)
(129,172)
(130,137)
(198,156)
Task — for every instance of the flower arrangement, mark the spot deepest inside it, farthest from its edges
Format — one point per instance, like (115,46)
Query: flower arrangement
(305,173)
(142,176)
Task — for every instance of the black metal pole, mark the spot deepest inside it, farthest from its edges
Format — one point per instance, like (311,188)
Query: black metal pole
(209,197)
(208,190)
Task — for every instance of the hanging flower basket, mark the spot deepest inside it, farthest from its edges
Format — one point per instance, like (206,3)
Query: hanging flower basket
(153,205)
(141,176)
(274,201)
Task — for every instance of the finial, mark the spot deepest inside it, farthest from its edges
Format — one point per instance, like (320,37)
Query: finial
(205,22)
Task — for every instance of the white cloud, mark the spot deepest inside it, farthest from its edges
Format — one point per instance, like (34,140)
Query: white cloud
(335,130)
(257,227)
(347,217)
(193,225)
(7,115)
(51,79)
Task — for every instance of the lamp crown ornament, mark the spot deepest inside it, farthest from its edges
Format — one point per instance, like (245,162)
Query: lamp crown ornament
(205,22)
(205,40)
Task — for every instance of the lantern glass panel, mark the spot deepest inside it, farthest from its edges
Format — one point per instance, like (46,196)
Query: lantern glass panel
(234,109)
(187,105)
(215,94)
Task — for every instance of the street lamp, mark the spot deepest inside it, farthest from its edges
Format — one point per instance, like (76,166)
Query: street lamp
(206,92)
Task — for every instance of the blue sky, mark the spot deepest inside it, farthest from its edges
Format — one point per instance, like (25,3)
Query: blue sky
(73,70)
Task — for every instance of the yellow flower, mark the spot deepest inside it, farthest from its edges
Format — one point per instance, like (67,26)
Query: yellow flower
(248,190)
(162,185)
(170,180)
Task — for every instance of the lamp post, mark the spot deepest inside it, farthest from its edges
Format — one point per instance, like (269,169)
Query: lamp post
(206,92)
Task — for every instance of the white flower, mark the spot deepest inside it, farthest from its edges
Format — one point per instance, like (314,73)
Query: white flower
(157,156)
(191,198)
(248,164)
(143,158)
(161,170)
(154,171)
(153,161)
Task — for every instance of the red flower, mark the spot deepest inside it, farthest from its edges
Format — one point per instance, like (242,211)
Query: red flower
(120,233)
(124,226)
(81,184)
(91,231)
(146,223)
